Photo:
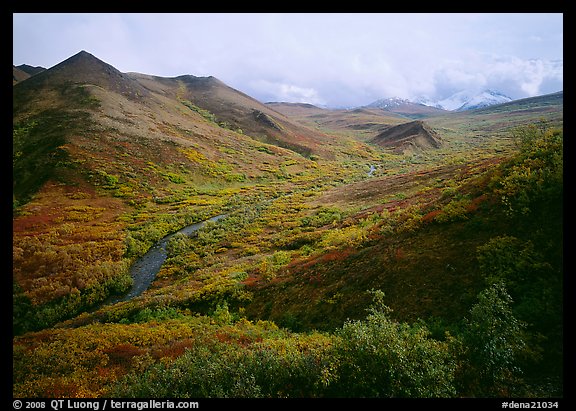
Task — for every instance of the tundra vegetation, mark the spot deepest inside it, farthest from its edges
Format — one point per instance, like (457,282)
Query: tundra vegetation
(212,324)
(435,273)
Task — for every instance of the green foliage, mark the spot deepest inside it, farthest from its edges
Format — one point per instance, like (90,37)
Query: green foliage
(179,244)
(159,314)
(531,278)
(30,317)
(455,210)
(38,148)
(204,113)
(222,315)
(379,357)
(534,177)
(322,217)
(287,367)
(493,338)
(175,178)
(107,180)
(269,266)
(508,259)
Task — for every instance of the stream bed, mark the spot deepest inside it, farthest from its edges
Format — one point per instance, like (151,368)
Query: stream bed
(143,271)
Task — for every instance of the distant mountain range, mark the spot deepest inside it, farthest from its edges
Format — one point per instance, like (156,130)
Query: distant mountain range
(460,101)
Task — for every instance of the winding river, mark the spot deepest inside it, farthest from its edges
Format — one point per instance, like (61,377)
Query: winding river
(144,270)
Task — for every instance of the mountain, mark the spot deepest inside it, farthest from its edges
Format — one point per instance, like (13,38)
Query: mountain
(238,111)
(546,102)
(85,113)
(463,100)
(390,103)
(31,70)
(84,68)
(484,99)
(405,107)
(408,136)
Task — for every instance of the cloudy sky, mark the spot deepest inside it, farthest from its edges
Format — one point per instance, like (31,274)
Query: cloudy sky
(335,60)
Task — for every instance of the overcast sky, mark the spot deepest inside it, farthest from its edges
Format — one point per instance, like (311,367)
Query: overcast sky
(325,59)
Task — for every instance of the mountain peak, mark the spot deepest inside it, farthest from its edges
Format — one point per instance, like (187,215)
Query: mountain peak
(404,107)
(387,103)
(85,68)
(484,99)
(83,63)
(468,100)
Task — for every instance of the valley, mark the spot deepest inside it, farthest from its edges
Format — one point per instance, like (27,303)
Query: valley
(351,258)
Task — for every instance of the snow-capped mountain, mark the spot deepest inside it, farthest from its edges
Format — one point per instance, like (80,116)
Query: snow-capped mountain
(460,101)
(389,103)
(404,107)
(464,100)
(484,99)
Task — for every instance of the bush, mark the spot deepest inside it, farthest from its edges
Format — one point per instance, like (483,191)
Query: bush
(493,338)
(382,358)
(534,178)
(455,210)
(277,368)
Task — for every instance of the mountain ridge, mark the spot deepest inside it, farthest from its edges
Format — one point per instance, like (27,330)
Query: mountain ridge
(228,106)
(459,101)
(404,107)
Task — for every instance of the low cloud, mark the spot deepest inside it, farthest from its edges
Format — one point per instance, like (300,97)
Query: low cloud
(513,76)
(272,91)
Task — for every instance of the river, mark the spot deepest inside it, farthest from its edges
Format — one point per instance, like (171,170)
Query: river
(144,270)
(372,169)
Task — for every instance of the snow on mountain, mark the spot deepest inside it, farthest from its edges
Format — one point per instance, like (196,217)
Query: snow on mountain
(427,101)
(484,99)
(464,100)
(455,101)
(460,101)
(388,103)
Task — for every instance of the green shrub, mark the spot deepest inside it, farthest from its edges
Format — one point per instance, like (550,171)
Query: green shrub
(493,338)
(455,210)
(379,357)
(534,177)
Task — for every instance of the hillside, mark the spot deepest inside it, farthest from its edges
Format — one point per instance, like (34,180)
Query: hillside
(334,267)
(91,144)
(237,111)
(215,131)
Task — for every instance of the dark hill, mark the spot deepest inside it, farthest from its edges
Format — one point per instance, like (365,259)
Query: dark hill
(84,68)
(412,135)
(18,75)
(31,70)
